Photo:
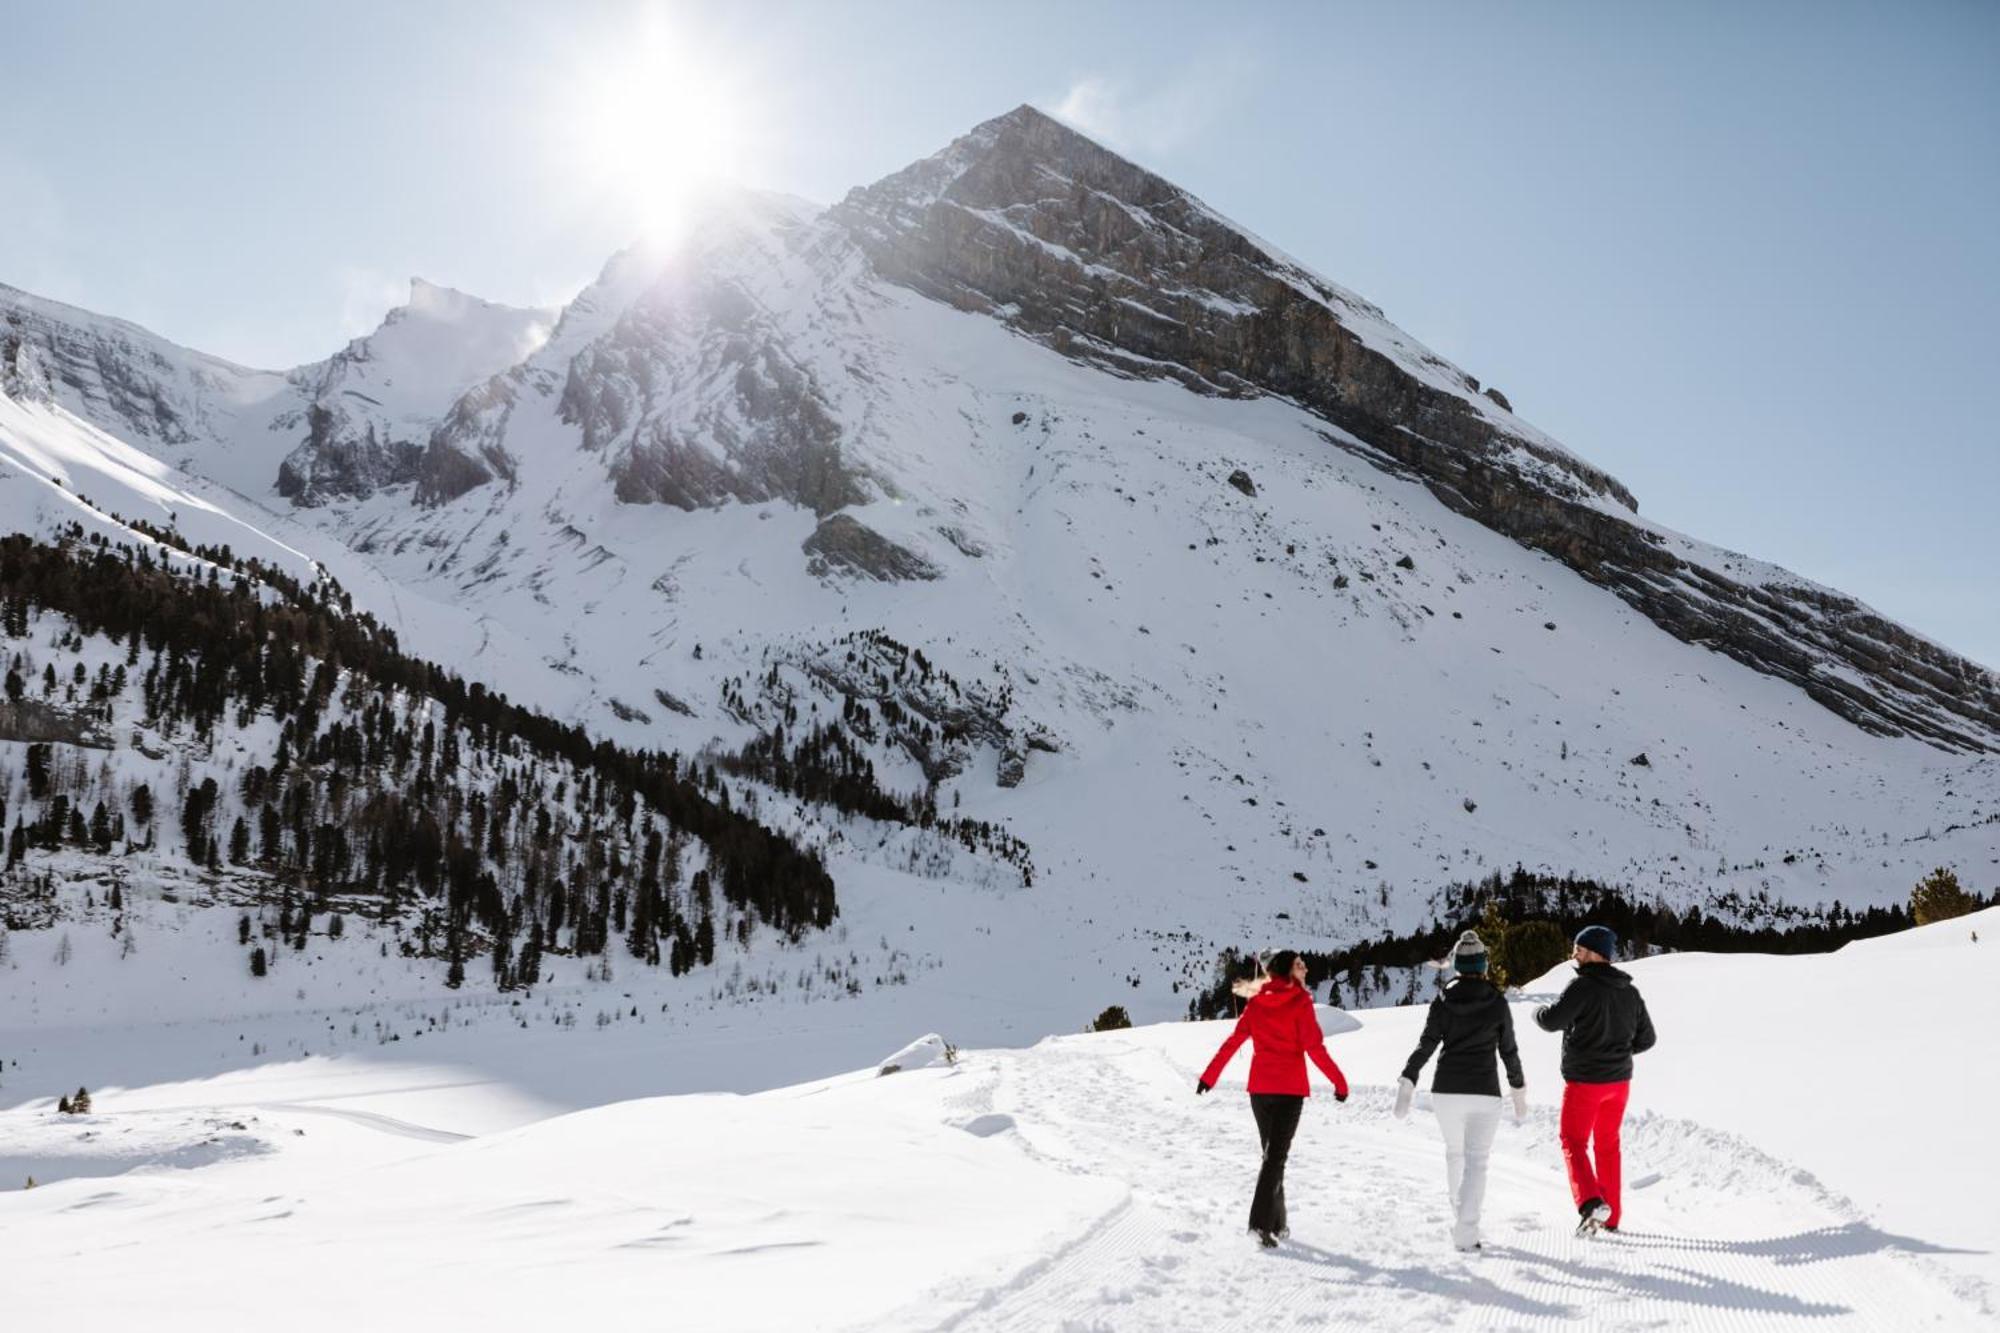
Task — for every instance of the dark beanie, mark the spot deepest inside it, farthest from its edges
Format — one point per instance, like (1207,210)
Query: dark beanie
(1598,939)
(1469,954)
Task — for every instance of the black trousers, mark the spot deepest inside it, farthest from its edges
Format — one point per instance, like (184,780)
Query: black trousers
(1277,1120)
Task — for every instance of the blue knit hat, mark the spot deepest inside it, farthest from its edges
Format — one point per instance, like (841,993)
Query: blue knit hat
(1599,940)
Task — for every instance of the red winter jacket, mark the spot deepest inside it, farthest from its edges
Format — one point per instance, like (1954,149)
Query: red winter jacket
(1279,1019)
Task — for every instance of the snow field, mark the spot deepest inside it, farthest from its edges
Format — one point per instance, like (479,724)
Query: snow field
(1077,1183)
(779,1212)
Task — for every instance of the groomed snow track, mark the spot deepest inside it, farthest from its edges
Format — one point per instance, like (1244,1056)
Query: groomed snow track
(1718,1235)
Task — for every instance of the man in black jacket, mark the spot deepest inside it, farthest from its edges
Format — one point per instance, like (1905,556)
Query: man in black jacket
(1604,1024)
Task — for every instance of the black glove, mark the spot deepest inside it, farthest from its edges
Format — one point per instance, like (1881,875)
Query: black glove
(1201,1087)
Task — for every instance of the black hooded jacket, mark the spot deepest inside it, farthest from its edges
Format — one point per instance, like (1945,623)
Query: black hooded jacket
(1604,1024)
(1470,1020)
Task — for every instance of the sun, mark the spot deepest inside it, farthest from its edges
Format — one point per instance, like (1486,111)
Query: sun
(658,122)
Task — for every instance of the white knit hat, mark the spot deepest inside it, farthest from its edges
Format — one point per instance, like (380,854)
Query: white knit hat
(1469,954)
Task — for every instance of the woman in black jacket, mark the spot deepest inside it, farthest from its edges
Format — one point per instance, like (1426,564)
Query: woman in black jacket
(1471,1022)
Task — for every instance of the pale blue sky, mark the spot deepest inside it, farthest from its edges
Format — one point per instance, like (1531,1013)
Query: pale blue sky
(1743,256)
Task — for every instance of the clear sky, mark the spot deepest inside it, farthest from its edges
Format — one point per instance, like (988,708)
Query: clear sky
(1746,257)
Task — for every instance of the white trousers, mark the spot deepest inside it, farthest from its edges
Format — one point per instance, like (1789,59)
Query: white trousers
(1468,1121)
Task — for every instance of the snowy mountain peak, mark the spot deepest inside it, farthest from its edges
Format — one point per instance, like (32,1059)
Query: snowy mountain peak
(432,348)
(427,295)
(1033,224)
(372,406)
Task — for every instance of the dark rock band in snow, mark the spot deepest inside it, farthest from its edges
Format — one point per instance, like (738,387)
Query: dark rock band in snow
(1603,1022)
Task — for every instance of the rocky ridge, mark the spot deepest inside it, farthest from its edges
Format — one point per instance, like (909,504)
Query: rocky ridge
(1029,222)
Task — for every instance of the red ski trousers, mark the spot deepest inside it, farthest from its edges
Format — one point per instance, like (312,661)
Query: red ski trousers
(1593,1111)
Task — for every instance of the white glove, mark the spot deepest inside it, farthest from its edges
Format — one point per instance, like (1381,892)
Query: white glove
(1405,1090)
(1520,1096)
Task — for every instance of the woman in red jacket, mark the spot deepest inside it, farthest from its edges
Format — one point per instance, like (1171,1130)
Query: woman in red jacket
(1278,1019)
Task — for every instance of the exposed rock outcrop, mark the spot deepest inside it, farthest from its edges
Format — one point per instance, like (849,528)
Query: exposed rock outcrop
(842,542)
(421,399)
(109,372)
(33,721)
(338,460)
(465,450)
(695,401)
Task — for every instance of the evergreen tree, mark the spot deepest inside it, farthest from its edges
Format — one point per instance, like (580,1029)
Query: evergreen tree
(259,964)
(1533,948)
(529,972)
(1113,1018)
(1938,896)
(503,954)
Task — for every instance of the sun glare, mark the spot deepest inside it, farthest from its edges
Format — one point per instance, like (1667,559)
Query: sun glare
(659,123)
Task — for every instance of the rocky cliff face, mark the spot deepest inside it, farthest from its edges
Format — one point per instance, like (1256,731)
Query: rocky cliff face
(1033,224)
(118,376)
(693,400)
(343,457)
(672,369)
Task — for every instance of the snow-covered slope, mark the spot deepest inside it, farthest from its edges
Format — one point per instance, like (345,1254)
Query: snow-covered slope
(176,405)
(57,469)
(339,427)
(1213,675)
(1221,624)
(1801,1148)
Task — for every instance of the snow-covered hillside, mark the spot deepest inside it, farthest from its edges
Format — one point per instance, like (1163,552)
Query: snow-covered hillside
(1801,1150)
(1088,518)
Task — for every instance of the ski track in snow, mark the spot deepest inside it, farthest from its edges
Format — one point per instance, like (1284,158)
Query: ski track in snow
(1369,1245)
(370,1120)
